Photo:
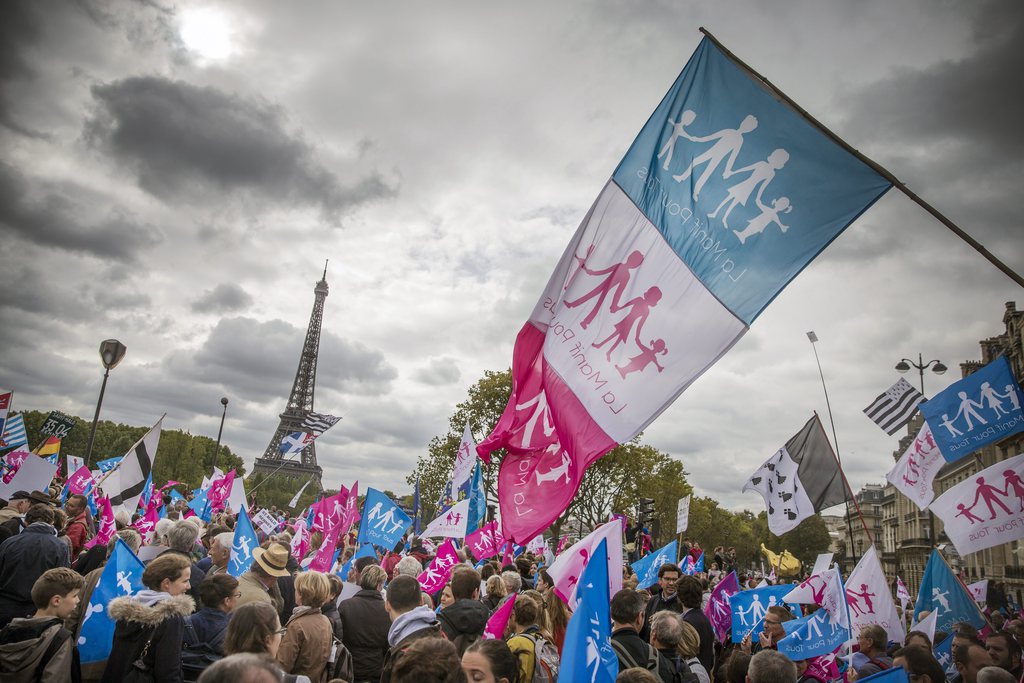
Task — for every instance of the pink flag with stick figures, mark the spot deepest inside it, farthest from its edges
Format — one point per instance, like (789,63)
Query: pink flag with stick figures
(108,526)
(436,575)
(496,625)
(724,197)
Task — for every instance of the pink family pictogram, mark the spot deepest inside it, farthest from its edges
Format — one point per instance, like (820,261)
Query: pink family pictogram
(992,497)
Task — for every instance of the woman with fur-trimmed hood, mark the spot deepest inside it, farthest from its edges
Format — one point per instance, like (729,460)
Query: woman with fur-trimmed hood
(150,624)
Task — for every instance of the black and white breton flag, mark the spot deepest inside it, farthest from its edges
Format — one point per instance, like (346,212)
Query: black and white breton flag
(802,478)
(317,423)
(126,482)
(894,408)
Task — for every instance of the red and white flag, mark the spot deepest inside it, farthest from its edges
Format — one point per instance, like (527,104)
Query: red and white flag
(902,594)
(867,593)
(916,469)
(986,509)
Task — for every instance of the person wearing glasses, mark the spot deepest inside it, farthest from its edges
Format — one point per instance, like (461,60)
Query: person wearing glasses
(255,628)
(773,632)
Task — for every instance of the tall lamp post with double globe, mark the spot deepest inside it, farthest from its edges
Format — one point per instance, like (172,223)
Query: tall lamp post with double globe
(111,353)
(937,366)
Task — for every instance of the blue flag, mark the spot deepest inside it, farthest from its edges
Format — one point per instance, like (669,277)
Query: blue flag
(896,674)
(477,500)
(383,522)
(812,636)
(587,654)
(108,464)
(980,409)
(201,506)
(750,606)
(122,575)
(746,191)
(944,654)
(244,544)
(175,496)
(646,568)
(941,592)
(366,550)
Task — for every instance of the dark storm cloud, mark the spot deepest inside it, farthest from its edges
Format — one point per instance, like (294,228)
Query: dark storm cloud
(19,31)
(184,140)
(50,214)
(257,360)
(939,106)
(226,297)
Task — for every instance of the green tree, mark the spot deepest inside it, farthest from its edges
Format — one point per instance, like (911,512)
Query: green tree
(612,484)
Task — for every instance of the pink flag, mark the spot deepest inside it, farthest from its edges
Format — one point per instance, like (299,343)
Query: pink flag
(107,524)
(351,514)
(561,544)
(496,625)
(507,558)
(435,576)
(80,480)
(14,461)
(300,540)
(823,668)
(547,455)
(482,541)
(220,491)
(171,483)
(718,610)
(325,555)
(146,525)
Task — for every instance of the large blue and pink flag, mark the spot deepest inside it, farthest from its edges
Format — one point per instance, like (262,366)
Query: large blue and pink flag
(723,198)
(647,567)
(121,576)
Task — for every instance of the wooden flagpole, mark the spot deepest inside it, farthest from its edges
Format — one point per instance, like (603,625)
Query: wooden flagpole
(877,168)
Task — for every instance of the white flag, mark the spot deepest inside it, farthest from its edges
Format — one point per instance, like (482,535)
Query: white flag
(979,590)
(927,625)
(916,469)
(464,460)
(986,509)
(452,522)
(126,482)
(295,500)
(867,593)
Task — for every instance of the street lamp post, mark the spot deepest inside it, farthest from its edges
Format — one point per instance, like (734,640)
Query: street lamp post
(938,367)
(111,353)
(216,451)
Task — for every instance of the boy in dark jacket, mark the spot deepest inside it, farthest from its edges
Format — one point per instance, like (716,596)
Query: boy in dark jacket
(410,620)
(39,648)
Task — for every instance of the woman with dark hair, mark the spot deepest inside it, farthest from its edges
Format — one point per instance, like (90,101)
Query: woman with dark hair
(256,629)
(218,592)
(490,661)
(150,625)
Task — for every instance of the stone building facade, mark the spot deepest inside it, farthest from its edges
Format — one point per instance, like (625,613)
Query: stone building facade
(904,535)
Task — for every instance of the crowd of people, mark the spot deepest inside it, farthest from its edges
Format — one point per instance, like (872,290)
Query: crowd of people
(278,621)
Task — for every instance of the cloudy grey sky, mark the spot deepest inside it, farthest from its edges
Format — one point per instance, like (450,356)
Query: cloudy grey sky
(174,175)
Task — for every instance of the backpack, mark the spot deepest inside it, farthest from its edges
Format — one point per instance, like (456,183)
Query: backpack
(339,663)
(196,656)
(623,654)
(546,660)
(681,671)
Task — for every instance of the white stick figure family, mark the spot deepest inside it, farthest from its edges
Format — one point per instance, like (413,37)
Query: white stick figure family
(970,410)
(724,151)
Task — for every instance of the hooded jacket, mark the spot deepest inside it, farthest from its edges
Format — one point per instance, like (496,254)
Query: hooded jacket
(38,649)
(464,618)
(148,617)
(419,622)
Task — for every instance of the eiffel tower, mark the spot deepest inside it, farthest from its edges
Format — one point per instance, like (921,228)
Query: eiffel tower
(300,403)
